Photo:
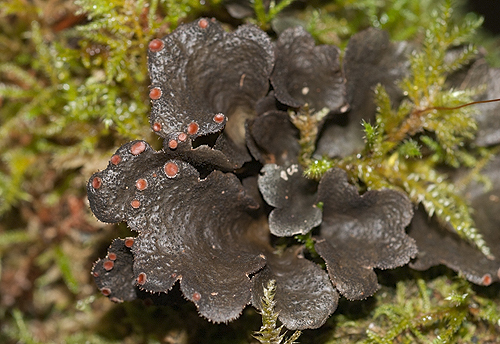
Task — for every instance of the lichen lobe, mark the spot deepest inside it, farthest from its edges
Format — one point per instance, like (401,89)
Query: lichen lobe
(361,232)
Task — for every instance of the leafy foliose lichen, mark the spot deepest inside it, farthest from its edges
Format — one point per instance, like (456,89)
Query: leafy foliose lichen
(74,82)
(193,219)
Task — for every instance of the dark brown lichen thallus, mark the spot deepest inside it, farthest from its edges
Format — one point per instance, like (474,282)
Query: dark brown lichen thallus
(305,297)
(113,275)
(438,245)
(294,199)
(370,58)
(268,145)
(378,218)
(126,189)
(198,220)
(124,185)
(306,73)
(125,174)
(227,70)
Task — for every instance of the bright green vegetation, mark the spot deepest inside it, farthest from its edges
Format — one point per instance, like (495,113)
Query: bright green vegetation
(422,310)
(418,319)
(263,15)
(341,19)
(74,86)
(270,332)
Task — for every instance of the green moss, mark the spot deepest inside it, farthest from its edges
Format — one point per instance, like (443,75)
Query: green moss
(265,16)
(339,20)
(270,332)
(451,316)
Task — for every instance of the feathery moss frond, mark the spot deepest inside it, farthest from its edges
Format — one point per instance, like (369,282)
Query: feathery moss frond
(265,16)
(307,122)
(409,149)
(317,168)
(270,333)
(341,19)
(412,319)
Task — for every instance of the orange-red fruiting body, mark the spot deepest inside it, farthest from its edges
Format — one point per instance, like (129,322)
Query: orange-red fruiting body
(203,23)
(156,45)
(155,93)
(96,182)
(172,144)
(171,169)
(115,159)
(156,126)
(138,148)
(219,118)
(182,137)
(108,265)
(135,204)
(141,279)
(129,242)
(141,184)
(193,128)
(487,279)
